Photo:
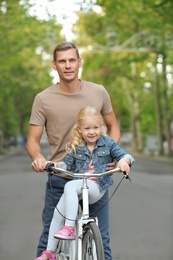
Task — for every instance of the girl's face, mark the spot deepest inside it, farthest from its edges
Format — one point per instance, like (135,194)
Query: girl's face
(90,130)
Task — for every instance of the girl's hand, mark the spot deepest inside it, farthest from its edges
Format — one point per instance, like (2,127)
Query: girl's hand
(123,164)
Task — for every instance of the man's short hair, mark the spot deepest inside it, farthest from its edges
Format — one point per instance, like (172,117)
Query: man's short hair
(63,46)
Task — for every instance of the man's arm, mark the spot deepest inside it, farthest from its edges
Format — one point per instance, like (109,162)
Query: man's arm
(113,132)
(112,126)
(33,147)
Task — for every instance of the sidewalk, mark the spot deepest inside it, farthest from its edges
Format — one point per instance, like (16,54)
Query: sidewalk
(148,156)
(154,157)
(10,152)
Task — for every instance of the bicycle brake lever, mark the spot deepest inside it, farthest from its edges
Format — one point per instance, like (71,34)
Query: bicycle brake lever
(127,176)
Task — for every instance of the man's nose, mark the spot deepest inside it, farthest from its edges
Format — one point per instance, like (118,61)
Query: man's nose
(68,64)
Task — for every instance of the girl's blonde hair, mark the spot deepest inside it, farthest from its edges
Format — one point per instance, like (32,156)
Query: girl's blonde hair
(76,136)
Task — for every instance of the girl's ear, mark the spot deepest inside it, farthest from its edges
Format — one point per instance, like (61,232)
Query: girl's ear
(79,129)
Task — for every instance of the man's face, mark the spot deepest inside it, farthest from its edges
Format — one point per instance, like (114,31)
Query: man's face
(67,64)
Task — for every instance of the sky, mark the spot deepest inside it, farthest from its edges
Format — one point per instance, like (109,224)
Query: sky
(64,10)
(65,13)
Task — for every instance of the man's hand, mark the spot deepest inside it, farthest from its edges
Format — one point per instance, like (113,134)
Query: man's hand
(38,165)
(111,166)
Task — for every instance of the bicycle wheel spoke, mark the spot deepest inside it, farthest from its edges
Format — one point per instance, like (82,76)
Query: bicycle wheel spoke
(66,250)
(92,246)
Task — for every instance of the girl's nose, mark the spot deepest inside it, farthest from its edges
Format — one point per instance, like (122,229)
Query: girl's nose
(91,131)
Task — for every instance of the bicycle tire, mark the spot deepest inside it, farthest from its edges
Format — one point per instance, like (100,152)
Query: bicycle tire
(66,250)
(92,245)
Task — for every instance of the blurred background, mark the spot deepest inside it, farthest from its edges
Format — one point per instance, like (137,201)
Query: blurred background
(126,46)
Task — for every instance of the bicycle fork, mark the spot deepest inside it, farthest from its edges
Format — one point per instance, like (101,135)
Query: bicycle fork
(84,218)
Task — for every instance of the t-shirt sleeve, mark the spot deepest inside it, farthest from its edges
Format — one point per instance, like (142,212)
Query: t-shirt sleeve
(37,113)
(107,105)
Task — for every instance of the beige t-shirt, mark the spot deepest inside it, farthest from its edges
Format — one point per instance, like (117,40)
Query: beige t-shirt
(57,111)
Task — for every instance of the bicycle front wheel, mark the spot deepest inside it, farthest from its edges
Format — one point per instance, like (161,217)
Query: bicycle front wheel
(92,245)
(66,250)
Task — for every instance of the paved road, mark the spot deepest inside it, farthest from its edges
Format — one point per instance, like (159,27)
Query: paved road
(141,212)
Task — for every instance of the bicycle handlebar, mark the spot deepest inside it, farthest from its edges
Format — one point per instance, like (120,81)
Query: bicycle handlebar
(50,168)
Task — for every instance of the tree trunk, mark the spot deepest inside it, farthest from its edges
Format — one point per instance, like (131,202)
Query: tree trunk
(166,111)
(158,113)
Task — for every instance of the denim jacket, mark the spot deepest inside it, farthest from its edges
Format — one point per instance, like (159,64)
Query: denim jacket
(103,153)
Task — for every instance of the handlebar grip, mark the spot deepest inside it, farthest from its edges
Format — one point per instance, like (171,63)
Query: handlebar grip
(127,176)
(49,166)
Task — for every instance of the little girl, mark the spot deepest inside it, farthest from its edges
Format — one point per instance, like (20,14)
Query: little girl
(89,150)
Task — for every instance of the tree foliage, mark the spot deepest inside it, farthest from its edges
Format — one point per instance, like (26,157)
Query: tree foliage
(126,45)
(24,70)
(129,49)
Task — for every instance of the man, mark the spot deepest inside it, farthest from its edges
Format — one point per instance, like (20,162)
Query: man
(56,109)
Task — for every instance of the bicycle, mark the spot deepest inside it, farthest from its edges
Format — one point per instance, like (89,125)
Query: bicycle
(89,244)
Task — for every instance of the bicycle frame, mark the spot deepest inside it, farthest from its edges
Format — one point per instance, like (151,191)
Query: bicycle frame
(84,219)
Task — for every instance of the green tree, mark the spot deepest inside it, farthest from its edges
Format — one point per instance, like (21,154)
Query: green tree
(124,38)
(24,70)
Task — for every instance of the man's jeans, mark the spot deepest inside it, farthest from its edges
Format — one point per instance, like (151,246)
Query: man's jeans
(54,190)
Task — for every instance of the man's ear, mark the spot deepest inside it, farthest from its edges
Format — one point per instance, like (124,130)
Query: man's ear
(80,62)
(53,65)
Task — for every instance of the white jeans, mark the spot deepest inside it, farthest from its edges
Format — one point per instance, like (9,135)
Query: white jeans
(68,207)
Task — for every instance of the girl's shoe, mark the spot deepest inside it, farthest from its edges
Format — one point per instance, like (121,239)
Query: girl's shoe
(62,235)
(50,257)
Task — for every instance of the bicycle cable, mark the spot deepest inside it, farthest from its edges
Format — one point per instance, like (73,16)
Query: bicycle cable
(110,196)
(92,212)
